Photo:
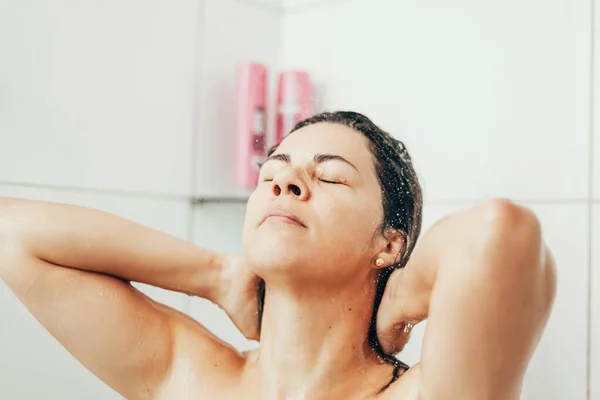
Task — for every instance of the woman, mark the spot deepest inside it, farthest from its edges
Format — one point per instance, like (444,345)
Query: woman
(327,239)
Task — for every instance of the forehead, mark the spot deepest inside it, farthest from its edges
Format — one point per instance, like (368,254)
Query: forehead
(328,138)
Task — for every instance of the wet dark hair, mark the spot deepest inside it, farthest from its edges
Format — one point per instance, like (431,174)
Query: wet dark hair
(402,203)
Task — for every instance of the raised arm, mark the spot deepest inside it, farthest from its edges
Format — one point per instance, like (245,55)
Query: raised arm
(97,241)
(71,265)
(486,282)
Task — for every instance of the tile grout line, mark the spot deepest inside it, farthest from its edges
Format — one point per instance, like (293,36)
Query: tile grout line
(201,200)
(99,191)
(309,6)
(282,8)
(525,201)
(196,98)
(195,125)
(591,200)
(276,8)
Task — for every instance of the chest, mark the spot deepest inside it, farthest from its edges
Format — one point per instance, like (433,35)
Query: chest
(235,387)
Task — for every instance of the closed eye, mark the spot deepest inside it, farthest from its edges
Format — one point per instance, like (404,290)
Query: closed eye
(332,182)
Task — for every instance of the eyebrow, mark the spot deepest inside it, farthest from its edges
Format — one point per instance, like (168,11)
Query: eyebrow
(318,159)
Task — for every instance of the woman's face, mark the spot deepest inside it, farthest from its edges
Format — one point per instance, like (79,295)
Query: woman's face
(316,207)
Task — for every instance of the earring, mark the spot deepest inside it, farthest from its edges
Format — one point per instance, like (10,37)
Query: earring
(408,327)
(379,262)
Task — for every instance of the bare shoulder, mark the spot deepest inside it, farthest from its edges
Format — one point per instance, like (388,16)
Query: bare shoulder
(407,387)
(203,366)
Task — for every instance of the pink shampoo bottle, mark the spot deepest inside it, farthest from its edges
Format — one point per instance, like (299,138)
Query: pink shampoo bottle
(250,123)
(294,101)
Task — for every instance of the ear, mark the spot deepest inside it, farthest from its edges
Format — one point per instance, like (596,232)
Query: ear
(393,245)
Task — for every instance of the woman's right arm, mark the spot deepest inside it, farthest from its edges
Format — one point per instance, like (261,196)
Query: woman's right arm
(70,266)
(97,241)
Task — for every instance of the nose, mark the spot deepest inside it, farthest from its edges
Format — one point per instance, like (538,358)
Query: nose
(287,182)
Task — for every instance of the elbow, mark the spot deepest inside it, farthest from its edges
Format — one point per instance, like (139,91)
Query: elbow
(506,214)
(515,256)
(514,227)
(510,238)
(516,234)
(514,245)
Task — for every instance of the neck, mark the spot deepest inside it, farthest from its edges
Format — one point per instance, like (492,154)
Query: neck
(313,341)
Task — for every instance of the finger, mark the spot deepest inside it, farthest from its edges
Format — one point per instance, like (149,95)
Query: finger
(253,335)
(395,340)
(249,329)
(390,313)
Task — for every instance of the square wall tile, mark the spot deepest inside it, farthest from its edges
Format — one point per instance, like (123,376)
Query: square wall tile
(491,99)
(98,94)
(219,226)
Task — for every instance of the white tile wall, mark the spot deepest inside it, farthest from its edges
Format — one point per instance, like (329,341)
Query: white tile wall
(256,38)
(27,352)
(491,98)
(595,322)
(219,227)
(98,94)
(558,367)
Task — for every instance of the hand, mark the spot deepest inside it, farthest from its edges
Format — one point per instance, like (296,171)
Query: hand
(239,297)
(404,304)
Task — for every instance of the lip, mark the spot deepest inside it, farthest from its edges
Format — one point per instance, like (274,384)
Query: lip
(283,216)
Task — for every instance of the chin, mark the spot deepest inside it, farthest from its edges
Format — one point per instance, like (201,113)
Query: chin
(277,254)
(273,255)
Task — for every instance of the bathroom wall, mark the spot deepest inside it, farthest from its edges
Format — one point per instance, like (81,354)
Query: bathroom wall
(492,99)
(127,107)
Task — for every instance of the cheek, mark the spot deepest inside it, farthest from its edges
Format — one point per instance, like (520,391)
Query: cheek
(350,224)
(253,214)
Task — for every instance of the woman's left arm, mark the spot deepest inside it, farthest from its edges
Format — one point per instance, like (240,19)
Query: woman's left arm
(486,283)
